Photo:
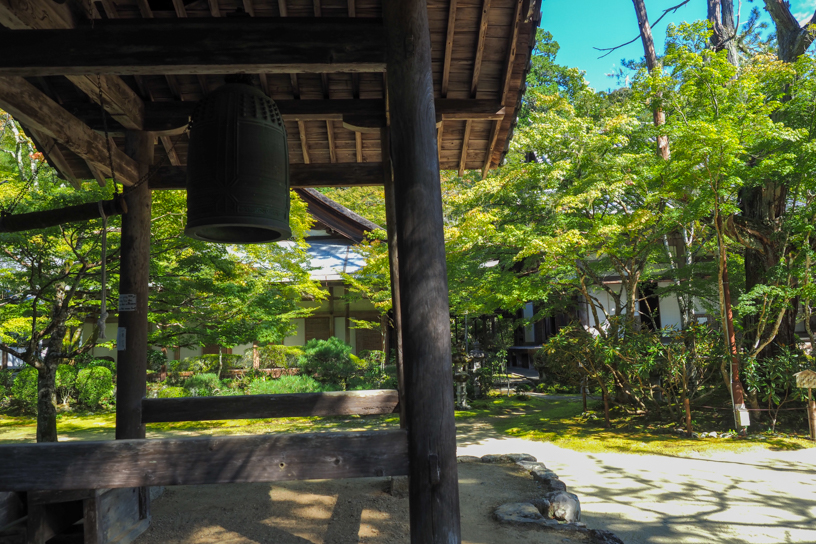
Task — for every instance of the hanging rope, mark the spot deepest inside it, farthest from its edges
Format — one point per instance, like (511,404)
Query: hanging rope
(103,312)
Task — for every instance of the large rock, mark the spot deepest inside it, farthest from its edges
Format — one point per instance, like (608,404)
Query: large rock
(564,506)
(543,473)
(597,536)
(518,512)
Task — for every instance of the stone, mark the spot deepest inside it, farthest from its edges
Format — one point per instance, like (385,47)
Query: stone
(518,512)
(542,504)
(552,484)
(468,459)
(530,466)
(507,458)
(564,506)
(597,536)
(543,474)
(398,486)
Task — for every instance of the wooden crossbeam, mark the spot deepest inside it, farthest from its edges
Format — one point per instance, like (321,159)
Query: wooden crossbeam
(170,118)
(208,460)
(463,157)
(336,403)
(304,144)
(33,108)
(117,98)
(198,46)
(480,47)
(301,176)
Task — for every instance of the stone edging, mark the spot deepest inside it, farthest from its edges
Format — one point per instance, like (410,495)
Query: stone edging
(556,510)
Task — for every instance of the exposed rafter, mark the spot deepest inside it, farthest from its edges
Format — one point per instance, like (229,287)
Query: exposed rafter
(463,158)
(304,145)
(480,47)
(448,48)
(33,108)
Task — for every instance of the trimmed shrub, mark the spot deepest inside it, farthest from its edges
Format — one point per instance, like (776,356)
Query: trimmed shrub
(155,359)
(202,385)
(24,388)
(277,356)
(172,393)
(208,363)
(328,360)
(287,384)
(94,385)
(66,382)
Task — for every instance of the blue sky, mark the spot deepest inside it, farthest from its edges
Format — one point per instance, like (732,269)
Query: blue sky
(580,25)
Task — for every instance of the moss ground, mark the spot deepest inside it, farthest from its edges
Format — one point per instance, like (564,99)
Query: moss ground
(559,420)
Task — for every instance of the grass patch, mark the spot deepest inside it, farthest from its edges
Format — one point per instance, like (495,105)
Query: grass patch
(562,422)
(559,420)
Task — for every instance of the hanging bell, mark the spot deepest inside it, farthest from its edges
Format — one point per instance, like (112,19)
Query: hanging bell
(237,169)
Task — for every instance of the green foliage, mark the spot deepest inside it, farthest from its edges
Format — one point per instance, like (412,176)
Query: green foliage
(155,359)
(94,386)
(172,393)
(65,382)
(287,384)
(774,381)
(328,361)
(24,389)
(279,356)
(207,363)
(203,385)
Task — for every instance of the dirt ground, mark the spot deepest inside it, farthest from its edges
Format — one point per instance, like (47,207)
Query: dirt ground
(335,512)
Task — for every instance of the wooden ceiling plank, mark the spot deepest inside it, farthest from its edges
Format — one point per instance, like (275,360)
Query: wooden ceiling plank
(330,135)
(303,143)
(32,107)
(448,48)
(480,47)
(199,46)
(465,139)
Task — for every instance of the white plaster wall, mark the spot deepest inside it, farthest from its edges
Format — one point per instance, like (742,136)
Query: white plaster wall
(190,352)
(299,338)
(353,340)
(669,309)
(340,328)
(241,349)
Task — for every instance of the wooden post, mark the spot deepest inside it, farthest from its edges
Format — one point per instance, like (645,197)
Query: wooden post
(423,286)
(811,407)
(131,337)
(393,261)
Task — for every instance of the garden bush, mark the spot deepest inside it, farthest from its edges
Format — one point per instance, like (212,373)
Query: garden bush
(208,363)
(287,384)
(94,385)
(66,382)
(277,356)
(328,361)
(155,359)
(24,389)
(172,393)
(203,385)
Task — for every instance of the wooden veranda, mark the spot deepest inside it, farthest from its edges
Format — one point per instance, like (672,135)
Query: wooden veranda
(372,92)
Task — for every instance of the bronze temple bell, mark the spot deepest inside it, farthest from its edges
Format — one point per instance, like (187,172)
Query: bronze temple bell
(238,169)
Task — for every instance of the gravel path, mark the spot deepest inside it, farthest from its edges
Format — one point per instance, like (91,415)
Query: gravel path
(756,497)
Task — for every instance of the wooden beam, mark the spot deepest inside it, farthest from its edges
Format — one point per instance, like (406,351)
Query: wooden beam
(59,216)
(206,460)
(169,148)
(330,136)
(118,99)
(440,127)
(337,403)
(301,176)
(215,11)
(358,144)
(511,52)
(480,47)
(490,147)
(100,179)
(463,157)
(434,487)
(304,145)
(249,8)
(448,48)
(198,46)
(31,107)
(170,118)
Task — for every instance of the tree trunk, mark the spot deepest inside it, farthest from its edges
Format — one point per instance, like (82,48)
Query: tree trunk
(721,17)
(47,401)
